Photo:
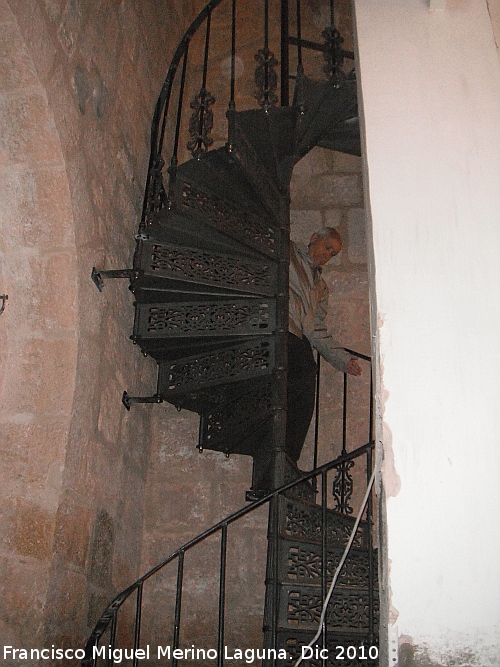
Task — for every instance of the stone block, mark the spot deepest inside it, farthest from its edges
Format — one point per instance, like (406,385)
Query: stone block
(356,226)
(304,224)
(101,550)
(37,207)
(28,133)
(32,532)
(72,534)
(58,284)
(331,190)
(16,66)
(65,601)
(33,456)
(24,592)
(31,20)
(343,162)
(7,18)
(332,217)
(45,378)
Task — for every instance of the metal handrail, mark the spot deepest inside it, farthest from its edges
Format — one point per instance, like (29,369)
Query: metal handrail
(162,104)
(109,615)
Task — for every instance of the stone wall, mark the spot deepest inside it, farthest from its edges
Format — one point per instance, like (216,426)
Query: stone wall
(78,86)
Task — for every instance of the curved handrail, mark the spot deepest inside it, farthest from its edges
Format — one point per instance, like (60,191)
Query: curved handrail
(113,607)
(162,104)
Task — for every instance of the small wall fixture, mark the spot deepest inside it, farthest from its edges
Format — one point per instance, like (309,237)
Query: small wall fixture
(3,299)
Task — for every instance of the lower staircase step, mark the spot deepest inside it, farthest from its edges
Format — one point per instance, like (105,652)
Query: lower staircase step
(302,521)
(347,650)
(348,610)
(302,564)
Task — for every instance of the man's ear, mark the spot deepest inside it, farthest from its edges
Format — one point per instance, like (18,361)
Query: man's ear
(314,238)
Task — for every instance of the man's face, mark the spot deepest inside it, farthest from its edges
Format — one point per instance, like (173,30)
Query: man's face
(322,250)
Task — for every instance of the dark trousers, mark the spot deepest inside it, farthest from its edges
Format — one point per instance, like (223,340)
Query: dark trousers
(301,394)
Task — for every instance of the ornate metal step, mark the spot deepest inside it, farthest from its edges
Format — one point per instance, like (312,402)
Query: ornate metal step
(214,193)
(348,610)
(302,564)
(346,649)
(343,137)
(163,263)
(231,363)
(271,134)
(207,318)
(302,522)
(325,107)
(262,181)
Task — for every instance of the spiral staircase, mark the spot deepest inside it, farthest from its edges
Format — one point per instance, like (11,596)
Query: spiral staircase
(210,282)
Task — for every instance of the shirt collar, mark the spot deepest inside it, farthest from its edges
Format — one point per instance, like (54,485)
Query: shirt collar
(303,251)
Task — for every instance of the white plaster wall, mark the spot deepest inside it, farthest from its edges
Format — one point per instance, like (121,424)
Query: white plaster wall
(431,98)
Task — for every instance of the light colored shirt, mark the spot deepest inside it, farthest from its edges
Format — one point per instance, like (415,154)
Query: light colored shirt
(308,307)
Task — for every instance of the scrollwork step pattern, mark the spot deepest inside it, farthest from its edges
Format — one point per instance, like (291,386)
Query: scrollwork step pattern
(238,362)
(208,208)
(293,641)
(174,262)
(348,610)
(233,418)
(302,564)
(301,521)
(209,318)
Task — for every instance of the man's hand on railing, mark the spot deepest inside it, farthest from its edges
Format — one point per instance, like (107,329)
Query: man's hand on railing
(353,368)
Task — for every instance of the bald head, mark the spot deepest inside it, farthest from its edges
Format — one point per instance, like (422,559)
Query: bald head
(324,244)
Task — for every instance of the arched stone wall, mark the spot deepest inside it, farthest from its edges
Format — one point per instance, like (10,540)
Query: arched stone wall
(88,75)
(38,331)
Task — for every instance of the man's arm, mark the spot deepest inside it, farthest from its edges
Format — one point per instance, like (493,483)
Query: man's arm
(321,339)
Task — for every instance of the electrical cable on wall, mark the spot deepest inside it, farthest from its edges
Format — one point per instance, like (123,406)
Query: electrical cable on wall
(339,567)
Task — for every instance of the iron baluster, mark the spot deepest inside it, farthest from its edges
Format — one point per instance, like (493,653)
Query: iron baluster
(231,111)
(137,628)
(371,425)
(285,54)
(112,637)
(178,603)
(344,416)
(316,413)
(332,13)
(154,177)
(343,483)
(266,79)
(201,432)
(266,44)
(300,68)
(275,555)
(202,119)
(334,56)
(371,574)
(232,103)
(174,160)
(324,555)
(271,608)
(222,596)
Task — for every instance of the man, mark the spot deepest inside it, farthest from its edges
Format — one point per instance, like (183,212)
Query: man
(308,308)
